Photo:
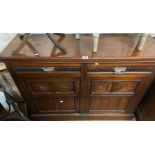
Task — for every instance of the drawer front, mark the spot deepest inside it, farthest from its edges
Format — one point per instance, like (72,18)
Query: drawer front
(50,69)
(43,69)
(119,69)
(58,104)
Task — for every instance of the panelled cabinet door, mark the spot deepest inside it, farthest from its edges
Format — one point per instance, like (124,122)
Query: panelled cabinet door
(51,95)
(119,93)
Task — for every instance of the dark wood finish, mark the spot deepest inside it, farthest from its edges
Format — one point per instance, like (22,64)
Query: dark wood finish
(146,109)
(118,84)
(78,116)
(70,87)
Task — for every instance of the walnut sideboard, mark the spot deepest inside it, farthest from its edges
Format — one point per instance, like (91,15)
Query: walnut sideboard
(81,85)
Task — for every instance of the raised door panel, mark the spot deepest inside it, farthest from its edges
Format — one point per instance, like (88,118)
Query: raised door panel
(124,86)
(112,86)
(44,103)
(68,86)
(59,104)
(101,86)
(65,86)
(40,86)
(108,103)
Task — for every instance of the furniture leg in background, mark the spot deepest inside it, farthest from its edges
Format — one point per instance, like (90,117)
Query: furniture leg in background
(140,45)
(95,40)
(25,41)
(138,49)
(12,102)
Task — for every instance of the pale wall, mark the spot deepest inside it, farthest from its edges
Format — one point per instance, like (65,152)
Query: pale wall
(5,38)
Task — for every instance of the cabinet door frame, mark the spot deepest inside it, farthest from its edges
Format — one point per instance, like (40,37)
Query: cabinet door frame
(24,86)
(142,80)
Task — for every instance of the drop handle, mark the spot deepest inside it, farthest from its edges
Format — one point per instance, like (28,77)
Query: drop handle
(119,70)
(96,63)
(48,69)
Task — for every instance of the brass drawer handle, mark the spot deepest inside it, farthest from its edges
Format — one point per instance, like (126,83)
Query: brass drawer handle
(119,70)
(96,63)
(48,69)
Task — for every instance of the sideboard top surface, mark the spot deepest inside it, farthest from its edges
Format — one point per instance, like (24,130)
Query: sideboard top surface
(111,46)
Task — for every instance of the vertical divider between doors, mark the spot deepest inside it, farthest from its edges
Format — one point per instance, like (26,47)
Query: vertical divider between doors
(84,99)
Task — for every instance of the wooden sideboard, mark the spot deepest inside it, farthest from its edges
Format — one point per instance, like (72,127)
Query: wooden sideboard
(81,85)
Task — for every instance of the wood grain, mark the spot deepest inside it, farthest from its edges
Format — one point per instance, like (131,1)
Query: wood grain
(82,89)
